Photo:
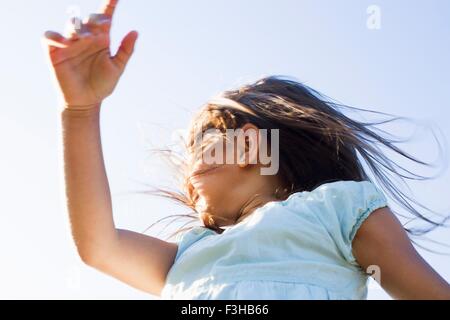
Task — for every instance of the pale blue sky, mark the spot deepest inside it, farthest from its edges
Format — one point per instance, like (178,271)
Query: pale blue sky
(187,52)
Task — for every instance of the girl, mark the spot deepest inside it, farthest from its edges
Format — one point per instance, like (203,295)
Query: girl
(312,229)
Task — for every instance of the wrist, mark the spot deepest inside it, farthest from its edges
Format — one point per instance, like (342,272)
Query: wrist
(81,111)
(81,107)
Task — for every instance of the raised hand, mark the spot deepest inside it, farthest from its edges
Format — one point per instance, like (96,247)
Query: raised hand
(85,69)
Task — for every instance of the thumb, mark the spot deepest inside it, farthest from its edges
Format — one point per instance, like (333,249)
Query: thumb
(125,50)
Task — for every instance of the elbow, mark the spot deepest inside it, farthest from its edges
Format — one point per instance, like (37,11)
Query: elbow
(89,256)
(86,257)
(94,252)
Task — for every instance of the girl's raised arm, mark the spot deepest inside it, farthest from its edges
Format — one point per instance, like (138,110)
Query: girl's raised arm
(87,73)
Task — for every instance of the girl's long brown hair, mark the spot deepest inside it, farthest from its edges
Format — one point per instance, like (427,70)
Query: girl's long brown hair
(318,143)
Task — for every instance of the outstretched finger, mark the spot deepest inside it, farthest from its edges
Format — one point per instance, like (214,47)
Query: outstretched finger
(54,39)
(98,23)
(109,7)
(125,50)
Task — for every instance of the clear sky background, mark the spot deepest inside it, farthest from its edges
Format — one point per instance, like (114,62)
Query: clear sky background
(187,52)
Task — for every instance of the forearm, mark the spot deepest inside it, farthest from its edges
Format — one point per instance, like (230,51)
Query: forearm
(86,184)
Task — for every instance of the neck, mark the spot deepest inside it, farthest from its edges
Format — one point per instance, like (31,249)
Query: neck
(256,201)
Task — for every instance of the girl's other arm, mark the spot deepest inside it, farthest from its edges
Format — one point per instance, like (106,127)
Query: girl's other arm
(382,241)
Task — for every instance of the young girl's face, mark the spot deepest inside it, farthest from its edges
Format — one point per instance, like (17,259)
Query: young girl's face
(217,194)
(219,186)
(226,187)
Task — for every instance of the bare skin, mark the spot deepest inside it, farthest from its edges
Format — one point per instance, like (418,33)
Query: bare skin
(87,73)
(382,241)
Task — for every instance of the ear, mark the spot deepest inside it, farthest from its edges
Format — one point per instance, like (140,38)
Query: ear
(248,153)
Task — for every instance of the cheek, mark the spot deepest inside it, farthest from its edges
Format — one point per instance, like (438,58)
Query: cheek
(205,185)
(216,185)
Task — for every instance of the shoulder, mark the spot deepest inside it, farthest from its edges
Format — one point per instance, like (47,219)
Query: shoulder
(343,193)
(340,207)
(193,234)
(350,201)
(187,238)
(346,186)
(361,194)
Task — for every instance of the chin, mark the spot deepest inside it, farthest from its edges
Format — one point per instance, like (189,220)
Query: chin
(208,214)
